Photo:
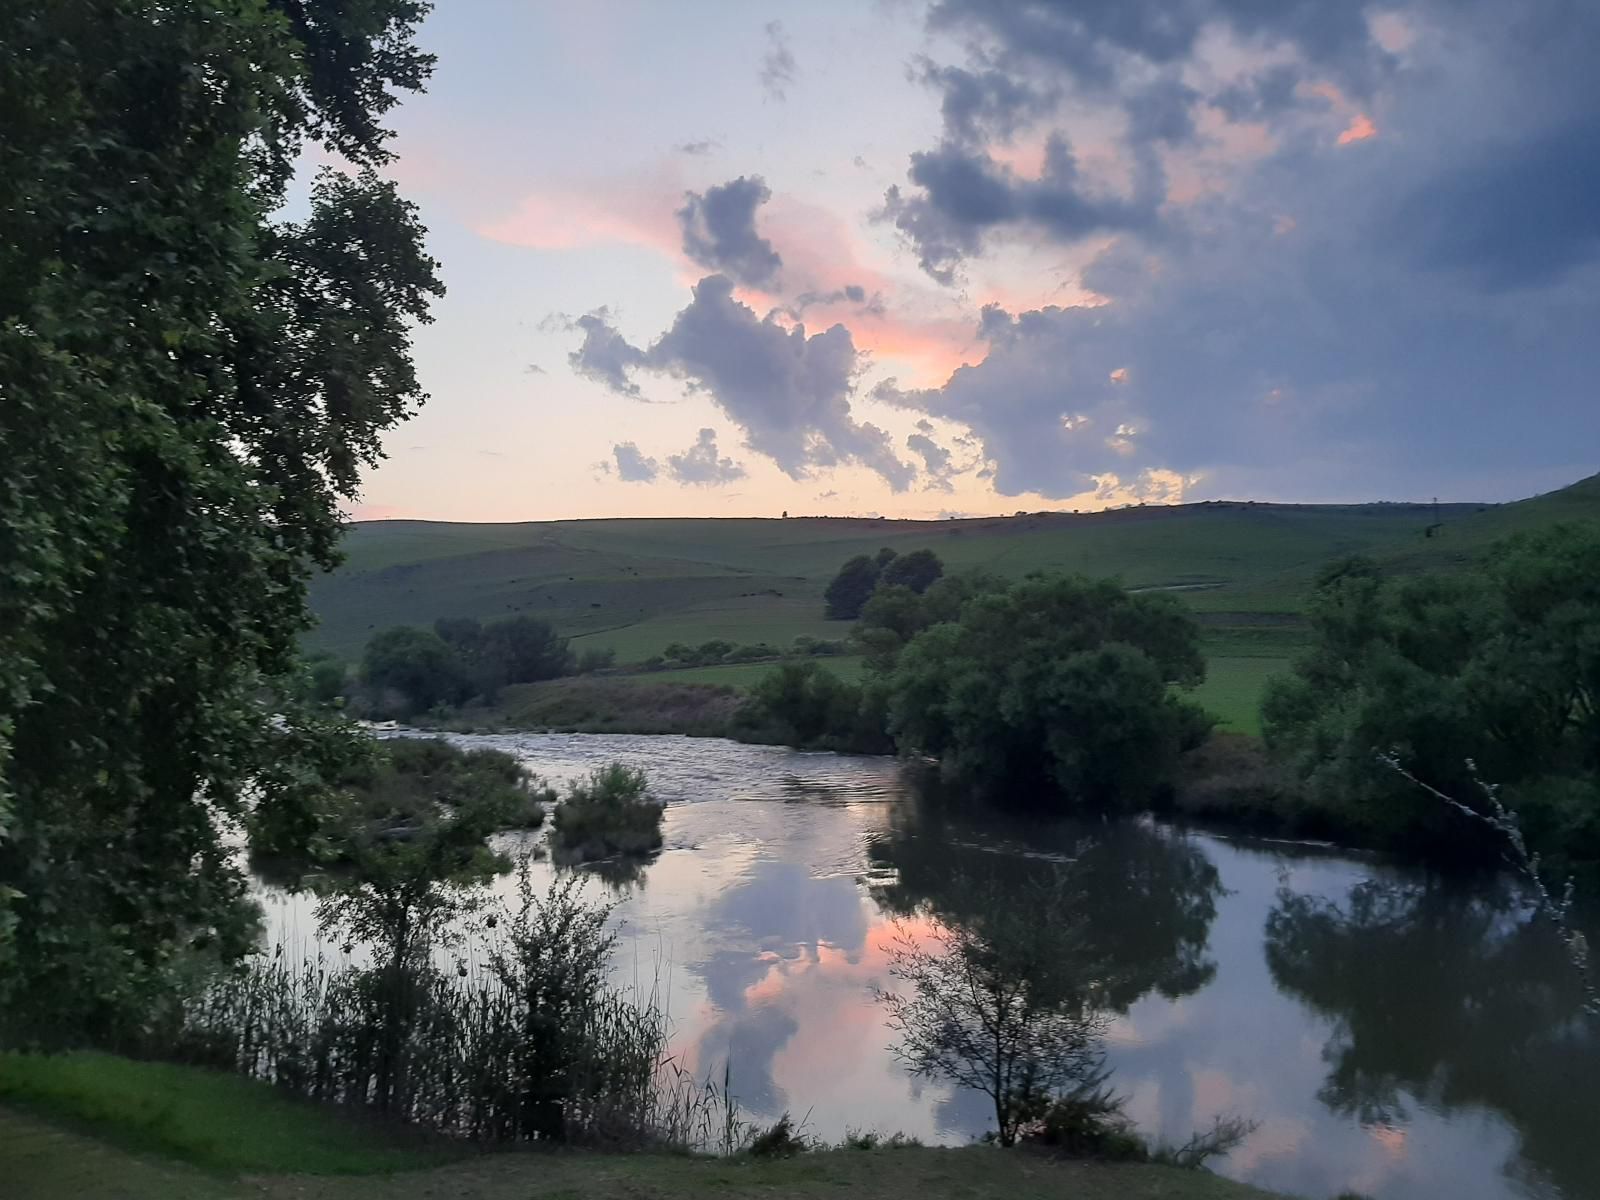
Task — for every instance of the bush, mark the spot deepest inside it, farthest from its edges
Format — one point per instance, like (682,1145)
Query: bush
(594,659)
(781,1139)
(608,814)
(805,705)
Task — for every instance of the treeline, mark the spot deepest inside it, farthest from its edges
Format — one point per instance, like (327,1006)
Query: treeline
(406,670)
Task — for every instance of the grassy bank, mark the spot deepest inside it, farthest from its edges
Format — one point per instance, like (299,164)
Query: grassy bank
(81,1126)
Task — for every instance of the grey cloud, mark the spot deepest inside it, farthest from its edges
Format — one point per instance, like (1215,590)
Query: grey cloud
(984,104)
(962,195)
(935,460)
(1517,214)
(719,231)
(534,369)
(1161,112)
(778,67)
(632,465)
(789,392)
(701,463)
(695,149)
(605,355)
(1096,44)
(850,293)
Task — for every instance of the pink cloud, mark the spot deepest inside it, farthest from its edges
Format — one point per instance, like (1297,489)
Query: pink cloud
(640,210)
(1359,130)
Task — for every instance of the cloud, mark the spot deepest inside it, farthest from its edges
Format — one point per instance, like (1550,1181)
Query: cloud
(789,392)
(701,464)
(960,195)
(1349,250)
(981,104)
(633,466)
(1514,214)
(698,148)
(605,355)
(935,459)
(719,231)
(778,67)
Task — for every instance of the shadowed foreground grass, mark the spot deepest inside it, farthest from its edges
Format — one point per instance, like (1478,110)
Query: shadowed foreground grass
(105,1128)
(207,1119)
(41,1161)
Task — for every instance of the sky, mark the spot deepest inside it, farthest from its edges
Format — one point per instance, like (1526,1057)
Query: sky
(966,257)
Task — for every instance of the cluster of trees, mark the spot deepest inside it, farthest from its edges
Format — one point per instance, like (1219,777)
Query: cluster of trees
(1492,673)
(1039,692)
(406,670)
(859,578)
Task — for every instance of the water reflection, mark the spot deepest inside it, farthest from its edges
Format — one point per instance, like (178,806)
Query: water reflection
(1146,895)
(1395,1035)
(1449,1001)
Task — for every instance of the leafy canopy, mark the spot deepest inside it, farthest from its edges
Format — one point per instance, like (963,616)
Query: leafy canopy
(1058,685)
(1500,666)
(190,386)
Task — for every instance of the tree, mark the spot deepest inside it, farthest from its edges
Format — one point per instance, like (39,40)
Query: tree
(1058,686)
(191,387)
(418,667)
(850,588)
(1499,666)
(917,571)
(1002,1003)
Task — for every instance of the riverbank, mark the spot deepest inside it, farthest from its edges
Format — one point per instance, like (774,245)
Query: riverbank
(46,1160)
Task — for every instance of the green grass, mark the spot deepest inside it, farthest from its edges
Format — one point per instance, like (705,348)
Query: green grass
(43,1159)
(1233,687)
(203,1118)
(636,585)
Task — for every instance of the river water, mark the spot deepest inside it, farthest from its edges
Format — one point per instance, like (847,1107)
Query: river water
(1393,1033)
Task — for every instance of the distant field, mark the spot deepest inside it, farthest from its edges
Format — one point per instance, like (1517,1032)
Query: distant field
(637,585)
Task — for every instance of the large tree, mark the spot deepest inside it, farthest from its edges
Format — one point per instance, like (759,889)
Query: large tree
(190,385)
(1054,691)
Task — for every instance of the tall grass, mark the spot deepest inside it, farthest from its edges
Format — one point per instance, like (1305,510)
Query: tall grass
(532,1044)
(608,814)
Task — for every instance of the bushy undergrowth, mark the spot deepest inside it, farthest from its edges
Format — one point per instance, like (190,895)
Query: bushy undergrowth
(610,813)
(533,1046)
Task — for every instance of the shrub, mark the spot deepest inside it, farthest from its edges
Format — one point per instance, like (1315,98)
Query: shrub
(781,1139)
(595,658)
(608,814)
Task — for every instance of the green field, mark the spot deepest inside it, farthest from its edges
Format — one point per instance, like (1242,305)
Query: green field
(637,585)
(96,1127)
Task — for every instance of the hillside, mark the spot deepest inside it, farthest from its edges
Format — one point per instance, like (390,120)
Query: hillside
(637,584)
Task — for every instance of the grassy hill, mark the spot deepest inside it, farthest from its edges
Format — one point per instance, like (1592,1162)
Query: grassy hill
(636,585)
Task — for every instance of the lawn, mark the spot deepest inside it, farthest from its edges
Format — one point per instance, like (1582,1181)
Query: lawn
(1233,687)
(96,1127)
(207,1119)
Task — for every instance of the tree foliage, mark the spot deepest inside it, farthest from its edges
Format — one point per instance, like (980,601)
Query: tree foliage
(1060,685)
(1499,667)
(850,588)
(917,571)
(189,388)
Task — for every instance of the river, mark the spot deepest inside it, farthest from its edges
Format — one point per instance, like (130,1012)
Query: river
(1394,1033)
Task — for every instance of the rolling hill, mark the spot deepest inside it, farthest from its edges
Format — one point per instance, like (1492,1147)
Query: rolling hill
(637,584)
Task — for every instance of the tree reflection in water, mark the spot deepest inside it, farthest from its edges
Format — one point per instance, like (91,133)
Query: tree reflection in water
(1144,896)
(1448,999)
